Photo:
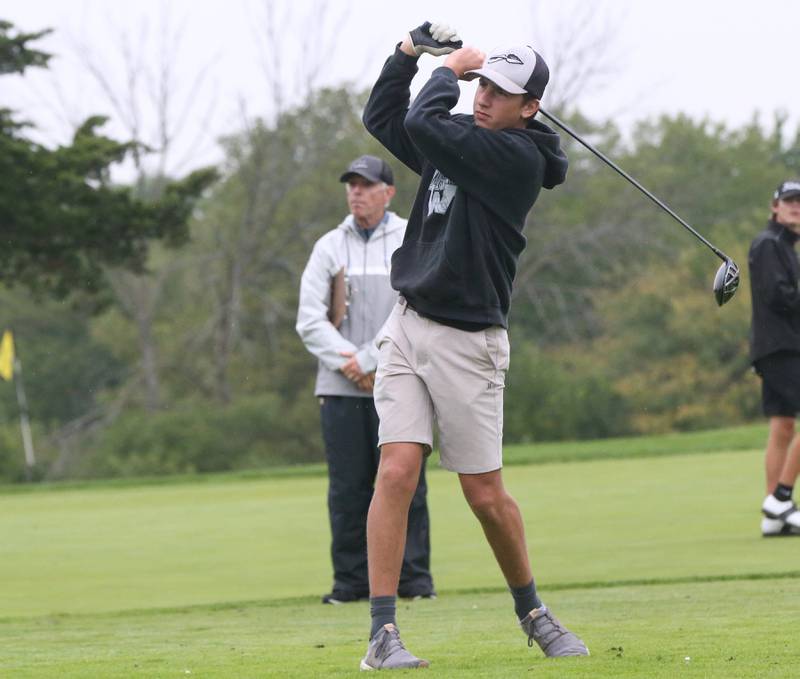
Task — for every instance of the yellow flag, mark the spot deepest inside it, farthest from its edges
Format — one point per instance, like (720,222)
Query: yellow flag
(7,356)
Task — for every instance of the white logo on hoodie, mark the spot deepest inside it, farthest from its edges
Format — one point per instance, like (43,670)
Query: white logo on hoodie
(441,192)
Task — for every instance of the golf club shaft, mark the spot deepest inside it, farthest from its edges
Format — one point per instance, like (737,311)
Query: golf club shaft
(641,188)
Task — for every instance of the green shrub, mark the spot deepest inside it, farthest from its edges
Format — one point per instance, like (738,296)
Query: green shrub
(12,453)
(259,431)
(12,458)
(545,401)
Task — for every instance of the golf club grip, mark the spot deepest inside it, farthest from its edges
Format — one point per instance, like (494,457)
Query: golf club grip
(641,188)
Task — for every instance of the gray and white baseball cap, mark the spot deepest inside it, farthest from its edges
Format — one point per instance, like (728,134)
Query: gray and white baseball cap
(517,69)
(371,168)
(788,189)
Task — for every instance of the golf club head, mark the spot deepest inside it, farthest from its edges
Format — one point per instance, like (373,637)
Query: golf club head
(726,282)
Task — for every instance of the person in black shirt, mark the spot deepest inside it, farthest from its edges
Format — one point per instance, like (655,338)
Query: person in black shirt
(775,353)
(444,349)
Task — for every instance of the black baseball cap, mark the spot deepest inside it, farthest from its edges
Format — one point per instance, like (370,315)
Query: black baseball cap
(788,189)
(518,69)
(371,168)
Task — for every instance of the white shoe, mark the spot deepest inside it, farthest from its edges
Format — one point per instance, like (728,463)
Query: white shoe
(786,511)
(775,528)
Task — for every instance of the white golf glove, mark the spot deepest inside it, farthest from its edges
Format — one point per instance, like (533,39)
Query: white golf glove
(434,38)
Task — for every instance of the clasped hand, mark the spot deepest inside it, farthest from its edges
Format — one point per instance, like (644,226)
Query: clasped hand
(352,371)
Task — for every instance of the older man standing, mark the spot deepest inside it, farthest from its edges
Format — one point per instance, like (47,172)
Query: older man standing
(357,254)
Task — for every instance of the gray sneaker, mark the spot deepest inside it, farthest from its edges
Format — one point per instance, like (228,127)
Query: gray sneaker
(553,638)
(386,652)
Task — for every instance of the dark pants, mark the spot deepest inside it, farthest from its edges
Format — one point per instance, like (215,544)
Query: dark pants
(350,432)
(780,389)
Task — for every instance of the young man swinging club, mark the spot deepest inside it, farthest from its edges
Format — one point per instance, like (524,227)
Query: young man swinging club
(444,350)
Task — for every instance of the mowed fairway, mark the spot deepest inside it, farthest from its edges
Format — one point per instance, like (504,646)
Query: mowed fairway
(651,560)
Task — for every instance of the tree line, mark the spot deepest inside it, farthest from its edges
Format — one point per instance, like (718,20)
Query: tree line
(156,321)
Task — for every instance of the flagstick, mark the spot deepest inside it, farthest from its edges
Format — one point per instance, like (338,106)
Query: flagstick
(24,422)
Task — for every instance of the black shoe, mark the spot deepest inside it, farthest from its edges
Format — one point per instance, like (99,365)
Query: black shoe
(416,592)
(343,596)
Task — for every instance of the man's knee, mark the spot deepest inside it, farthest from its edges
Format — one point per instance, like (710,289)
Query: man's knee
(486,500)
(783,428)
(399,467)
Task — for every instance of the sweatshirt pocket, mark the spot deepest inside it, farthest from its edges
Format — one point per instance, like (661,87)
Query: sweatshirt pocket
(421,270)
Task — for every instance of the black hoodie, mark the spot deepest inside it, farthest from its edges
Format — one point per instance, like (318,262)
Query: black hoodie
(774,273)
(464,235)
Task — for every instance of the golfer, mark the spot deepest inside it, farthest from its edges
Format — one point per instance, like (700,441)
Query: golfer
(775,353)
(444,350)
(357,253)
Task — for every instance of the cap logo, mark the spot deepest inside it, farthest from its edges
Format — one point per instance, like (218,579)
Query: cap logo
(509,58)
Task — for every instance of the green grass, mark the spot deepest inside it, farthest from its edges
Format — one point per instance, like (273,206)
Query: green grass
(727,629)
(222,577)
(744,437)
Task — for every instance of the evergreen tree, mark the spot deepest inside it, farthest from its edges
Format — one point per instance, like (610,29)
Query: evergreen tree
(61,217)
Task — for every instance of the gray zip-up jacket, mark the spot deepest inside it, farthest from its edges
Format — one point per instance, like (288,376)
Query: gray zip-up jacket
(371,298)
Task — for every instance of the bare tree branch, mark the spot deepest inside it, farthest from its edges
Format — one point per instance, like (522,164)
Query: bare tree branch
(145,104)
(580,45)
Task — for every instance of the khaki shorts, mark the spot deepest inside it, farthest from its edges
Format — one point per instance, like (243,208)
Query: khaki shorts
(431,372)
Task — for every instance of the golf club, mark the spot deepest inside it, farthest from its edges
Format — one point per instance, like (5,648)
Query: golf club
(726,280)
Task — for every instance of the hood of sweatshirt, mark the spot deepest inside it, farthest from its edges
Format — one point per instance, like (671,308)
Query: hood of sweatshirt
(549,144)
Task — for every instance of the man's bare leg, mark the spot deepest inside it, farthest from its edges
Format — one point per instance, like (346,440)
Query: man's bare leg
(782,463)
(387,520)
(501,521)
(781,432)
(791,468)
(502,524)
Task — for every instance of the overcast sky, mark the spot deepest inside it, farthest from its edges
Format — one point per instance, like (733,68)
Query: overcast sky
(725,60)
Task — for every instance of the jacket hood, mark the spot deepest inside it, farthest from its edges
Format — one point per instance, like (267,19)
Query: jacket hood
(393,223)
(549,144)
